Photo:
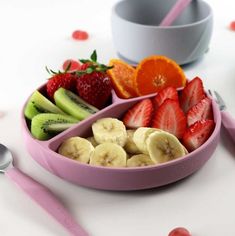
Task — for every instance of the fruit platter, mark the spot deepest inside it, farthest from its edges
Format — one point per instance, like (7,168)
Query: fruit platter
(119,127)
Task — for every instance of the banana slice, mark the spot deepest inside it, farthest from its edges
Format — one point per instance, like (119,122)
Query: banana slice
(77,148)
(130,145)
(109,130)
(92,141)
(139,160)
(163,147)
(185,150)
(140,136)
(109,155)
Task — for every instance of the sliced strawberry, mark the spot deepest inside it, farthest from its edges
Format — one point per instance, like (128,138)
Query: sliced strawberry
(200,111)
(168,92)
(171,118)
(71,65)
(192,94)
(197,134)
(139,115)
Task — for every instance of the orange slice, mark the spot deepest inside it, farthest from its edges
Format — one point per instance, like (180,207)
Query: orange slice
(157,72)
(122,77)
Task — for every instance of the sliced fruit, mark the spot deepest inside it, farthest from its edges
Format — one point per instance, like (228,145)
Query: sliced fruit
(179,231)
(168,92)
(192,94)
(109,155)
(73,105)
(122,77)
(46,125)
(37,104)
(71,64)
(109,130)
(80,35)
(163,147)
(139,115)
(201,111)
(77,148)
(157,72)
(139,160)
(92,141)
(197,134)
(169,117)
(130,145)
(140,136)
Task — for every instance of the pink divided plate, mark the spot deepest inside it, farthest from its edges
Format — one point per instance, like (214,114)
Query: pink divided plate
(135,178)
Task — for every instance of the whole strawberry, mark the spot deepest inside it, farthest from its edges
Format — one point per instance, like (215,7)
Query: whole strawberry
(60,79)
(93,84)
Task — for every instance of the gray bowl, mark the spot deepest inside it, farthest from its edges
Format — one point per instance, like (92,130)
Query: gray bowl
(136,33)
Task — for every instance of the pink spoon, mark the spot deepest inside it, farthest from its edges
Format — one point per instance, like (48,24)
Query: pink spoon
(39,193)
(175,11)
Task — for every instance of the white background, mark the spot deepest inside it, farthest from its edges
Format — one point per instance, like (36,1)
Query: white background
(38,33)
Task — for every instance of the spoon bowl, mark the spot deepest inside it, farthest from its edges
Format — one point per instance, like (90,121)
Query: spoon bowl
(6,159)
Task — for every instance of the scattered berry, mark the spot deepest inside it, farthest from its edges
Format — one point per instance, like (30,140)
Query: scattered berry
(139,115)
(197,134)
(232,26)
(80,35)
(170,117)
(72,65)
(180,231)
(192,94)
(168,92)
(200,111)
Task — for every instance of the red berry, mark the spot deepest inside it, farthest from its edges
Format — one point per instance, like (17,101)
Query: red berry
(74,65)
(64,80)
(170,117)
(80,35)
(168,92)
(197,134)
(200,111)
(192,94)
(95,88)
(180,231)
(84,66)
(139,115)
(232,25)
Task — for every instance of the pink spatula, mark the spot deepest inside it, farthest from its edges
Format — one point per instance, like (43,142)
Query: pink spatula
(175,11)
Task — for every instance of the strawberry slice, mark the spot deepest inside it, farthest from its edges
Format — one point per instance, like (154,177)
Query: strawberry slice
(139,115)
(171,118)
(192,94)
(168,92)
(200,111)
(197,134)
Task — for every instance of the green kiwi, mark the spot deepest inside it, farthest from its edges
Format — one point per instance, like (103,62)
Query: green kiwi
(70,103)
(37,104)
(47,125)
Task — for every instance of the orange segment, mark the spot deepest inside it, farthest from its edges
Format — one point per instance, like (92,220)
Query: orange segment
(157,72)
(122,77)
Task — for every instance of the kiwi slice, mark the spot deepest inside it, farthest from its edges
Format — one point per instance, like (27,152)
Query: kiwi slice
(70,103)
(47,125)
(37,104)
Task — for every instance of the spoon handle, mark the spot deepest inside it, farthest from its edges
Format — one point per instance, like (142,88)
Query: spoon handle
(47,200)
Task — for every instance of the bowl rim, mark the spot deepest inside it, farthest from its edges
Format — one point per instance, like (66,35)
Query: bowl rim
(208,17)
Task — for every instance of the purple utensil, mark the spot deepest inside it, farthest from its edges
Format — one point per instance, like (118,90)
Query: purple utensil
(227,120)
(175,11)
(39,193)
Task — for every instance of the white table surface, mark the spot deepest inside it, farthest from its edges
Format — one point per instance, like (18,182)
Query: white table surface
(37,33)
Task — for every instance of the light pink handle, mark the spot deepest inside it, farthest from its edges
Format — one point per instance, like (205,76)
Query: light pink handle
(229,123)
(175,11)
(47,200)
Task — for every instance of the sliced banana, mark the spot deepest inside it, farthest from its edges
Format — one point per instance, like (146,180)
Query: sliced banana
(92,141)
(130,145)
(77,148)
(163,147)
(139,160)
(185,150)
(109,155)
(109,130)
(140,136)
